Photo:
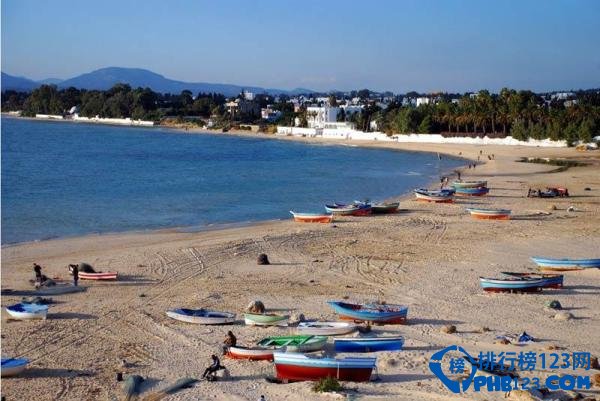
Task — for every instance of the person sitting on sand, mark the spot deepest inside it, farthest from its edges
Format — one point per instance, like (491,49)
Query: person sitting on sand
(212,369)
(230,341)
(38,272)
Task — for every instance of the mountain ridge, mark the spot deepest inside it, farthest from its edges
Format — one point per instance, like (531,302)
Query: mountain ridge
(105,78)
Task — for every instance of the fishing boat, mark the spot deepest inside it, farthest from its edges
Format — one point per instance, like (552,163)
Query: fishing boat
(434,196)
(469,184)
(385,208)
(565,264)
(13,366)
(364,207)
(201,316)
(98,276)
(551,280)
(515,284)
(490,214)
(342,210)
(300,343)
(265,319)
(251,353)
(378,313)
(326,328)
(479,191)
(23,311)
(368,344)
(312,217)
(300,367)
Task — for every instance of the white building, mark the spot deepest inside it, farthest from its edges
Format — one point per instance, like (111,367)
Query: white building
(318,116)
(269,114)
(248,95)
(423,100)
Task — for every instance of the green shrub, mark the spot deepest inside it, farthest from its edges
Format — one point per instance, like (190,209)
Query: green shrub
(326,385)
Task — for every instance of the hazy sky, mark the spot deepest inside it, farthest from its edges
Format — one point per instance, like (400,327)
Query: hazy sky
(382,45)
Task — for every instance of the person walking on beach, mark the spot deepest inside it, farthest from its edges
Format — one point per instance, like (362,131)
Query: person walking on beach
(230,341)
(216,365)
(75,271)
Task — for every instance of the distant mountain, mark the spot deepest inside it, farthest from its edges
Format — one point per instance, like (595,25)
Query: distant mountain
(105,78)
(18,83)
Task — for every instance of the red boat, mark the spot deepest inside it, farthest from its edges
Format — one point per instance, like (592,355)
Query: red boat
(299,367)
(98,276)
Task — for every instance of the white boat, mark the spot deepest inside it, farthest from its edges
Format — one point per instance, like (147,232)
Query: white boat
(326,328)
(201,316)
(13,366)
(251,353)
(27,311)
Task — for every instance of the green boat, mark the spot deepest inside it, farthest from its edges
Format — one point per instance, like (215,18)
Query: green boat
(265,319)
(295,343)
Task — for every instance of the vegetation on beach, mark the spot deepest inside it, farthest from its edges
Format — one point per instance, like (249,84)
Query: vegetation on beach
(327,385)
(520,114)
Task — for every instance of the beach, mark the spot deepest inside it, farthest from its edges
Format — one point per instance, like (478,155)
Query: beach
(428,256)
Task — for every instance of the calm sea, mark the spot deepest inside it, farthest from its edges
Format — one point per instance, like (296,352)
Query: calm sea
(65,179)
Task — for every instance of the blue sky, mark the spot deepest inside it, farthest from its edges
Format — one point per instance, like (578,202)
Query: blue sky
(382,45)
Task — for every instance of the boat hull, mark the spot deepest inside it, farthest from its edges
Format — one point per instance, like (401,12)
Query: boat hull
(250,354)
(490,214)
(210,318)
(312,218)
(368,344)
(472,191)
(565,264)
(469,184)
(387,208)
(297,367)
(514,285)
(381,314)
(98,276)
(12,367)
(300,343)
(252,319)
(341,210)
(28,311)
(550,280)
(326,328)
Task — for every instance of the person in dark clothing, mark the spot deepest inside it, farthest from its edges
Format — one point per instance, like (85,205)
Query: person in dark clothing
(230,341)
(38,272)
(75,272)
(216,365)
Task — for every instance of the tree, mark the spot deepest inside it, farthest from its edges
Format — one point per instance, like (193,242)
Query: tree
(332,101)
(426,126)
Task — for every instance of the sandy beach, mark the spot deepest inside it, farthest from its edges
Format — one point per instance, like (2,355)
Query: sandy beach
(428,257)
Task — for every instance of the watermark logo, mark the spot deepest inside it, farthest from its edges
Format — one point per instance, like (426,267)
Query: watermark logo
(502,371)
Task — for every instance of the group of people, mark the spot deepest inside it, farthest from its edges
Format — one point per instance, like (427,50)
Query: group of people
(42,280)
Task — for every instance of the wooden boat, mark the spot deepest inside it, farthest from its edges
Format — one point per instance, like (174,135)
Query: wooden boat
(251,353)
(13,366)
(515,284)
(326,328)
(364,208)
(98,276)
(479,191)
(299,367)
(368,344)
(551,280)
(342,210)
(385,208)
(312,217)
(27,311)
(201,316)
(434,196)
(565,264)
(59,289)
(378,313)
(469,184)
(265,319)
(490,214)
(300,343)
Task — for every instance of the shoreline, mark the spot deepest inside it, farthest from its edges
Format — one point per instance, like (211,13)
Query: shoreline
(429,257)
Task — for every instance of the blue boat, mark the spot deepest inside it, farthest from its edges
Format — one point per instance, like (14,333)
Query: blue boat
(379,313)
(565,264)
(550,280)
(515,284)
(13,366)
(341,210)
(368,344)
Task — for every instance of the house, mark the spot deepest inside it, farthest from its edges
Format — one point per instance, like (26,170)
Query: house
(423,101)
(269,114)
(318,116)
